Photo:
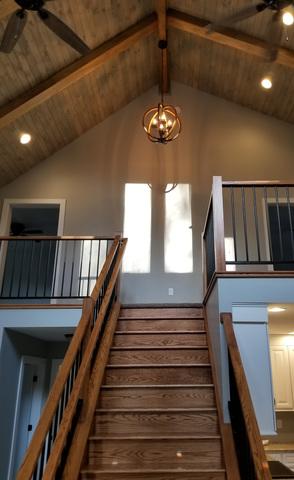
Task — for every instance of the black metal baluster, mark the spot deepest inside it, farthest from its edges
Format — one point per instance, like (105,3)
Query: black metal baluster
(39,267)
(234,223)
(64,266)
(72,266)
(12,269)
(290,220)
(245,222)
(81,268)
(279,223)
(21,267)
(30,266)
(98,258)
(47,268)
(268,224)
(57,248)
(89,268)
(256,223)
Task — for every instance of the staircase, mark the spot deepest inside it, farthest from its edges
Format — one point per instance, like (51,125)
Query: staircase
(157,417)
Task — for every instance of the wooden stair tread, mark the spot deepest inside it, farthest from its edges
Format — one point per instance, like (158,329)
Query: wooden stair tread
(197,438)
(184,385)
(158,332)
(147,471)
(155,410)
(158,365)
(168,347)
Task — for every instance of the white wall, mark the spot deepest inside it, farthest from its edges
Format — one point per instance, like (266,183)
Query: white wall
(218,138)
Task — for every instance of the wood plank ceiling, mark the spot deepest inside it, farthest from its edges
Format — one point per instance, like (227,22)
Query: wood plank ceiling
(46,89)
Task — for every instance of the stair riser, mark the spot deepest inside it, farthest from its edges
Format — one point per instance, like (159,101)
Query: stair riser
(156,424)
(160,325)
(163,339)
(125,357)
(155,454)
(161,313)
(157,397)
(154,476)
(158,376)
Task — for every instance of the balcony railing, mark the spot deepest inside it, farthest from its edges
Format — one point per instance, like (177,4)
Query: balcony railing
(249,227)
(39,268)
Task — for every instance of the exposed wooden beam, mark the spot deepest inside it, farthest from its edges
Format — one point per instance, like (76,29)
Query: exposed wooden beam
(7,7)
(227,37)
(162,34)
(76,71)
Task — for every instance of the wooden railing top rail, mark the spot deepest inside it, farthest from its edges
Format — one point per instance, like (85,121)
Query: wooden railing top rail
(52,237)
(258,183)
(257,451)
(33,452)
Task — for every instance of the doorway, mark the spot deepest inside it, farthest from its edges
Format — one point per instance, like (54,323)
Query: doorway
(27,266)
(30,399)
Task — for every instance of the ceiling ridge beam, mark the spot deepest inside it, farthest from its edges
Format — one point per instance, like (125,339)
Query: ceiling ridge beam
(227,37)
(162,34)
(74,72)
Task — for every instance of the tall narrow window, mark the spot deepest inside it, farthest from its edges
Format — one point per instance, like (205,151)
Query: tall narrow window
(137,228)
(178,251)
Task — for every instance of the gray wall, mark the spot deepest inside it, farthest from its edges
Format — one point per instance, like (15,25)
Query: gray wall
(218,138)
(14,346)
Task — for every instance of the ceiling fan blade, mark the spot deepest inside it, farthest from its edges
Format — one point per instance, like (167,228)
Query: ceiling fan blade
(63,31)
(243,14)
(275,32)
(13,31)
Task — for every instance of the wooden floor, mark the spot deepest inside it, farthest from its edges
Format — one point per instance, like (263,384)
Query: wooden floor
(156,417)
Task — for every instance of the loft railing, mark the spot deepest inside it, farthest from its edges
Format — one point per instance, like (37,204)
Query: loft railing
(252,461)
(48,450)
(249,227)
(39,267)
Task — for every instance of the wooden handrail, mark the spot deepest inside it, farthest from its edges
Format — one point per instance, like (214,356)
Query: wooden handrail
(54,237)
(255,442)
(36,445)
(258,183)
(69,412)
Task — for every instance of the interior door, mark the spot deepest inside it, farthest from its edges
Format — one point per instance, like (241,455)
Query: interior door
(30,406)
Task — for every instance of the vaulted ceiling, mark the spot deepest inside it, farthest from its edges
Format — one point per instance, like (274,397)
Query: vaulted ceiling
(47,89)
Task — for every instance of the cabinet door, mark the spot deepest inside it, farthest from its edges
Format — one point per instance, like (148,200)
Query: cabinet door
(281,378)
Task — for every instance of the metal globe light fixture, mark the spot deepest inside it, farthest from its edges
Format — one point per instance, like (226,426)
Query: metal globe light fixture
(162,123)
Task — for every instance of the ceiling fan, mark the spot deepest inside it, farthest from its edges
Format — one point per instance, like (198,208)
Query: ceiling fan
(18,20)
(275,28)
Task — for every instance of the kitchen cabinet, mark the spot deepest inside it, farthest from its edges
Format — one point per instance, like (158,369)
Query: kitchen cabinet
(282,360)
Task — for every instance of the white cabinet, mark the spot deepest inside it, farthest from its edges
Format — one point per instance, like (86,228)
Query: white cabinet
(282,359)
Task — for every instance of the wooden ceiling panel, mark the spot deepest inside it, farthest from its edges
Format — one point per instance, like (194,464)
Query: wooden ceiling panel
(39,53)
(231,74)
(67,115)
(212,10)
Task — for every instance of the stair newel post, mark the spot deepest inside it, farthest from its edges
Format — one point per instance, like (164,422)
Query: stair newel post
(218,224)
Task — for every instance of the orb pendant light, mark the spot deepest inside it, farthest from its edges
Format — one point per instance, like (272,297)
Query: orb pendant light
(162,123)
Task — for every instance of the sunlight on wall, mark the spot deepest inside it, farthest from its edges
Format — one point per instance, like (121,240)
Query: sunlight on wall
(230,253)
(178,251)
(137,228)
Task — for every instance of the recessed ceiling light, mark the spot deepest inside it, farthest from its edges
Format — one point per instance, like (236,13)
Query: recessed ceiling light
(266,83)
(179,454)
(288,18)
(276,309)
(25,138)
